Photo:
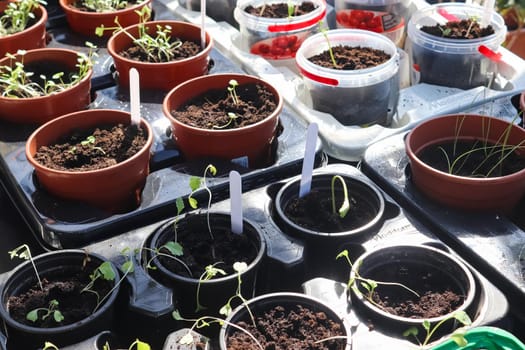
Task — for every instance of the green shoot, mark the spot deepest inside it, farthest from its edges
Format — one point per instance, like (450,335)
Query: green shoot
(226,309)
(17,16)
(231,118)
(174,251)
(51,310)
(345,207)
(324,30)
(209,272)
(137,345)
(179,203)
(195,184)
(90,141)
(50,346)
(104,5)
(23,252)
(291,9)
(231,89)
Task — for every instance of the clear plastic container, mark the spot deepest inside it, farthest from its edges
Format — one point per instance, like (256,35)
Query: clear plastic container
(353,97)
(276,38)
(451,62)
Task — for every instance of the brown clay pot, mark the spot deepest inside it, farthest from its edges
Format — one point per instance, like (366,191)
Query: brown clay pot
(253,141)
(161,76)
(522,106)
(515,42)
(33,37)
(115,188)
(42,109)
(85,23)
(480,194)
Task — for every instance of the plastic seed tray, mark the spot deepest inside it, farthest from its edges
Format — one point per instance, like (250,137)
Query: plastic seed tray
(59,224)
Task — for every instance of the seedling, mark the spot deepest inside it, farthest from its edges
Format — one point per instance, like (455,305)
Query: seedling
(291,9)
(90,141)
(458,336)
(104,5)
(231,89)
(345,207)
(17,15)
(175,250)
(159,48)
(231,118)
(137,345)
(51,310)
(210,272)
(369,284)
(24,252)
(50,346)
(195,184)
(324,30)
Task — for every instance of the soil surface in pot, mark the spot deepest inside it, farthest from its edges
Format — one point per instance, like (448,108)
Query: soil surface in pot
(280,10)
(473,159)
(284,329)
(93,149)
(200,250)
(464,29)
(314,212)
(350,58)
(217,109)
(179,49)
(65,286)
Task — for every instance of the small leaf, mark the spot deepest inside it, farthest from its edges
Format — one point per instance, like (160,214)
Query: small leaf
(240,267)
(140,345)
(459,338)
(176,315)
(174,248)
(463,317)
(344,253)
(366,286)
(411,331)
(225,310)
(426,325)
(212,169)
(107,271)
(345,207)
(195,182)
(32,315)
(193,202)
(128,266)
(180,205)
(57,315)
(187,339)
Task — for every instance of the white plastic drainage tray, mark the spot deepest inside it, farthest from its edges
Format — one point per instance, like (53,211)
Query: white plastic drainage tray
(416,103)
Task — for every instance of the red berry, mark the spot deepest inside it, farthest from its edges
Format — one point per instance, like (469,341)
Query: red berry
(292,39)
(264,48)
(276,51)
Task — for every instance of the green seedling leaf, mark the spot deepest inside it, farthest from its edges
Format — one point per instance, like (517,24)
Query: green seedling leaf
(176,315)
(174,248)
(187,339)
(32,315)
(107,271)
(49,345)
(195,183)
(412,331)
(57,316)
(193,202)
(459,338)
(180,205)
(463,317)
(212,169)
(426,325)
(240,267)
(343,254)
(128,266)
(139,345)
(225,310)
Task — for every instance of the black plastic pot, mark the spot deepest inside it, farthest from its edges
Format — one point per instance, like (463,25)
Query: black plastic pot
(263,303)
(48,264)
(419,268)
(213,293)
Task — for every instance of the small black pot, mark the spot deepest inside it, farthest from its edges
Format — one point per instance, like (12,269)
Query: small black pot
(263,303)
(21,336)
(419,268)
(213,293)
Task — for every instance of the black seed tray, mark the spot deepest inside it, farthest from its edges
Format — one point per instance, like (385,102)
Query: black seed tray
(59,224)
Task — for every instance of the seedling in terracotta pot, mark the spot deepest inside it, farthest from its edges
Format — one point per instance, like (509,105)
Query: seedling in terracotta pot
(51,310)
(24,252)
(103,5)
(231,89)
(17,15)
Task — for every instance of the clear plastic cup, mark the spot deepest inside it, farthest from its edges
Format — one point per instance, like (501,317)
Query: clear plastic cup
(451,62)
(354,97)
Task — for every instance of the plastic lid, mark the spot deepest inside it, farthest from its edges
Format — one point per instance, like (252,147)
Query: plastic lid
(489,338)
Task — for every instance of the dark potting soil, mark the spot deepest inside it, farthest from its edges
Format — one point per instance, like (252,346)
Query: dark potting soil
(200,250)
(280,10)
(64,286)
(463,29)
(214,108)
(284,329)
(430,304)
(186,49)
(93,149)
(350,58)
(472,159)
(314,212)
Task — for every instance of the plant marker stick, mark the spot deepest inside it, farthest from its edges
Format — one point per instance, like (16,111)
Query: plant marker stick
(308,161)
(203,21)
(488,8)
(236,202)
(134,98)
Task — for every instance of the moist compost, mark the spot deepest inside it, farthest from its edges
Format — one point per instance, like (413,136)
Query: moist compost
(280,10)
(216,109)
(314,212)
(283,329)
(93,149)
(64,286)
(185,49)
(350,58)
(474,159)
(463,29)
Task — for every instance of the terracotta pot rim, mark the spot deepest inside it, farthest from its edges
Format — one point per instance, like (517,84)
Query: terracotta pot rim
(41,22)
(199,55)
(145,148)
(49,49)
(67,6)
(459,179)
(246,128)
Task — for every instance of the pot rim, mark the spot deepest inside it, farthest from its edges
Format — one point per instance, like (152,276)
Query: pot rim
(203,78)
(79,114)
(110,44)
(413,157)
(65,52)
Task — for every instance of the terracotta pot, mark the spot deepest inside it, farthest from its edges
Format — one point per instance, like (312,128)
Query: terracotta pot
(490,193)
(51,265)
(522,106)
(515,42)
(253,141)
(33,37)
(44,108)
(115,188)
(162,76)
(85,23)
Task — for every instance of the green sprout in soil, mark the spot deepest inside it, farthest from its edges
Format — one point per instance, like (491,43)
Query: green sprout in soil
(345,206)
(195,183)
(90,141)
(51,310)
(24,252)
(324,31)
(17,15)
(232,84)
(210,272)
(104,5)
(231,119)
(291,9)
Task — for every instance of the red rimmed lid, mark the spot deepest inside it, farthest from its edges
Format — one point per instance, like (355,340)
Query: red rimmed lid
(318,78)
(274,28)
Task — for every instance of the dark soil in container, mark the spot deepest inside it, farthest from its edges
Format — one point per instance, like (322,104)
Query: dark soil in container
(186,49)
(93,149)
(216,109)
(280,10)
(314,212)
(283,329)
(350,58)
(64,286)
(464,29)
(472,159)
